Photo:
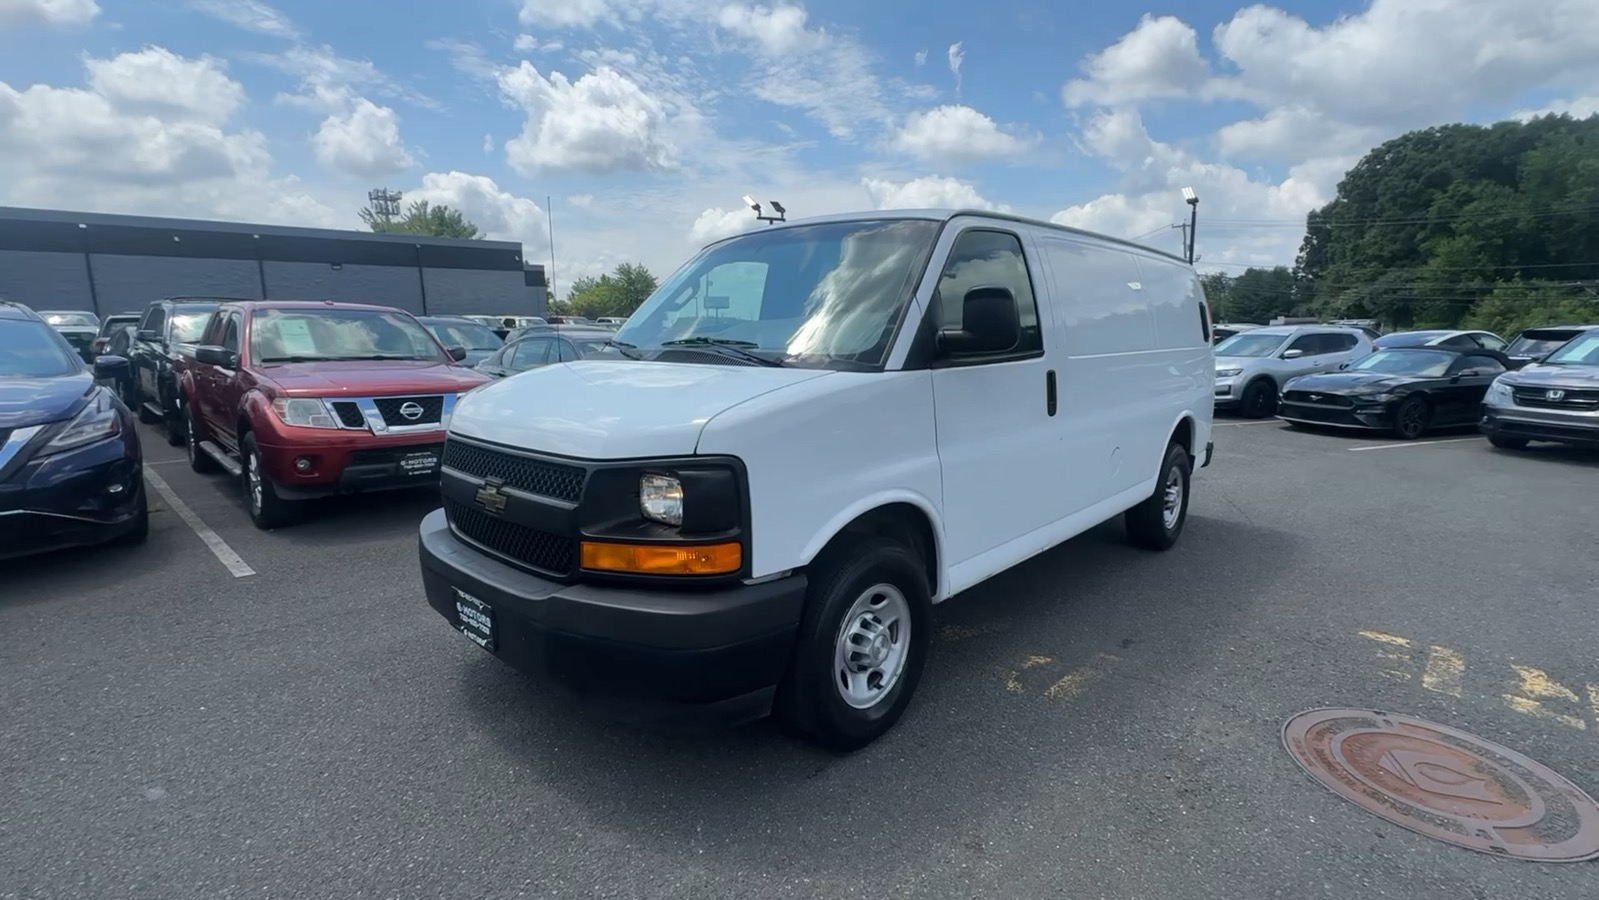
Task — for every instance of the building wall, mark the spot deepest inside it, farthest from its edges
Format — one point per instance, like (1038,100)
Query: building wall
(128,283)
(44,280)
(383,285)
(467,292)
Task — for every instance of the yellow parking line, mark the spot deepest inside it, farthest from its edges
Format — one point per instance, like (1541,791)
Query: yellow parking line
(1445,670)
(1537,690)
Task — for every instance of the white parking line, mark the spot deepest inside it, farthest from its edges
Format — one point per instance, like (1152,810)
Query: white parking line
(1232,424)
(1412,444)
(218,547)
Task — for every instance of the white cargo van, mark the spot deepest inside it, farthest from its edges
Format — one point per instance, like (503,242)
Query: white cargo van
(801,441)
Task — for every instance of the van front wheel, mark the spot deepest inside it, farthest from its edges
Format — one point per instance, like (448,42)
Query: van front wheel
(862,644)
(1156,523)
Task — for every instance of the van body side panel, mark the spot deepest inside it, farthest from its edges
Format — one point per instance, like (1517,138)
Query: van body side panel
(818,449)
(1182,383)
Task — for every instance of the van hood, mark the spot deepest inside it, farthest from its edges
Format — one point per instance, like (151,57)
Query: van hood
(368,378)
(40,401)
(602,409)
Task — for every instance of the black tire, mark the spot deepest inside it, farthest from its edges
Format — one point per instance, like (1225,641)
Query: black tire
(200,461)
(1259,399)
(1412,418)
(1148,524)
(267,510)
(1507,443)
(810,701)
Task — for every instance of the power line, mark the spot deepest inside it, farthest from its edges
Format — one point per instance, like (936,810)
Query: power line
(1575,265)
(1334,221)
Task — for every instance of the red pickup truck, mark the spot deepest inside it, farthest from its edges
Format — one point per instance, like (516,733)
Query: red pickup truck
(300,400)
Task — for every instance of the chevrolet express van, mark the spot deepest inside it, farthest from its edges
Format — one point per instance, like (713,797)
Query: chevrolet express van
(805,438)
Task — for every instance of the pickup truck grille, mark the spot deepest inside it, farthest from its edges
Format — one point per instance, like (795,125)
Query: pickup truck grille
(552,553)
(432,410)
(349,413)
(544,479)
(1538,398)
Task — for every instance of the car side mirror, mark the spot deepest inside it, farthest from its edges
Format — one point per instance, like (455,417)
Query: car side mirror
(145,334)
(457,353)
(107,368)
(989,324)
(1293,354)
(212,355)
(1344,364)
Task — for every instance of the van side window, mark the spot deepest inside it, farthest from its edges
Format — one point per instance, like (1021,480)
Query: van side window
(982,258)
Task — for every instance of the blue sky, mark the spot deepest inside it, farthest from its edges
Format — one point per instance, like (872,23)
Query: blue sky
(644,121)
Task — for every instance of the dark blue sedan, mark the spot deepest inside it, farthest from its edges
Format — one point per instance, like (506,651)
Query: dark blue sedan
(71,469)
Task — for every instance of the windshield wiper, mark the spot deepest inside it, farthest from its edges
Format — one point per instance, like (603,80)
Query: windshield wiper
(623,347)
(377,356)
(295,359)
(738,348)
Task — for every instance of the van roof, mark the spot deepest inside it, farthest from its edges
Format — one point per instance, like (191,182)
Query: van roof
(945,214)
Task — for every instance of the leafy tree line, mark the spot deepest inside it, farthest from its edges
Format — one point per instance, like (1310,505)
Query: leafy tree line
(422,217)
(618,293)
(1492,227)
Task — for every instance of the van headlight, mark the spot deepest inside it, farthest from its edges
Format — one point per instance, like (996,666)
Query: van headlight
(97,421)
(1499,393)
(660,499)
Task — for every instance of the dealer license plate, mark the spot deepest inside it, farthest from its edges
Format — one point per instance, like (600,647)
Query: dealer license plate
(424,462)
(476,618)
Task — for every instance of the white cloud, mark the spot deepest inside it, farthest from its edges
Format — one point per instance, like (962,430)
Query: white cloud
(577,13)
(329,81)
(250,15)
(48,12)
(957,56)
(501,214)
(527,43)
(581,201)
(956,134)
(363,142)
(488,143)
(1577,108)
(151,134)
(717,223)
(1160,58)
(601,123)
(928,192)
(921,58)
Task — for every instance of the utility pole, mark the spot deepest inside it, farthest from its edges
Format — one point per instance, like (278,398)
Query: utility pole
(549,281)
(384,205)
(1192,232)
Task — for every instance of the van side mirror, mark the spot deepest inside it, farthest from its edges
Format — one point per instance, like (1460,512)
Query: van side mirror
(457,353)
(1293,354)
(108,368)
(212,355)
(989,324)
(1344,364)
(146,334)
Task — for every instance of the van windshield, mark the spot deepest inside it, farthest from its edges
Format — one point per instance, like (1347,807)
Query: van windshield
(829,295)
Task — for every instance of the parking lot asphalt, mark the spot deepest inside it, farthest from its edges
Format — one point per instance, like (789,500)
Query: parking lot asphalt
(1100,722)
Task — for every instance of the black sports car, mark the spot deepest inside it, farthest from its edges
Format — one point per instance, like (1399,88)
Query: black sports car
(71,469)
(1405,390)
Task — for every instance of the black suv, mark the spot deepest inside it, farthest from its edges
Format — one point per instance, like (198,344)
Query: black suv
(168,332)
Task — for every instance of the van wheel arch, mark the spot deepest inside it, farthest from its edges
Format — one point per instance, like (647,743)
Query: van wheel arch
(902,523)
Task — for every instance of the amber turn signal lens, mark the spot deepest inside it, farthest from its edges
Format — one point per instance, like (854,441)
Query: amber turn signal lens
(663,559)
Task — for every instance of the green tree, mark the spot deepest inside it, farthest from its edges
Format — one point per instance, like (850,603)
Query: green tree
(1218,294)
(618,293)
(422,217)
(1515,305)
(1259,295)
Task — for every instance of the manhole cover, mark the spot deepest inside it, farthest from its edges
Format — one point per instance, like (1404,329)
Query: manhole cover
(1444,783)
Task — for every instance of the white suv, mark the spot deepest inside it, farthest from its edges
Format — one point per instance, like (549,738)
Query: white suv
(800,442)
(1252,366)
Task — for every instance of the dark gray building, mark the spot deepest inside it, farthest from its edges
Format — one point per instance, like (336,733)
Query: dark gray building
(51,259)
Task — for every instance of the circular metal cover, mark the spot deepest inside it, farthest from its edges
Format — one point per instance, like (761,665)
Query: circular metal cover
(1446,784)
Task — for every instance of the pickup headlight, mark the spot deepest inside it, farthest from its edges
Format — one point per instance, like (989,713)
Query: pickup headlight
(1229,373)
(304,412)
(1499,393)
(97,421)
(660,499)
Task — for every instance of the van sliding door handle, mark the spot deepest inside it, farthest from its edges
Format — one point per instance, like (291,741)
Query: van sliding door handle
(1049,391)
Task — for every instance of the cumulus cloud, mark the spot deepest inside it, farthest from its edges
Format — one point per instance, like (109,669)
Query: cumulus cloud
(1159,58)
(957,56)
(250,15)
(716,223)
(48,12)
(363,142)
(956,134)
(576,13)
(501,214)
(601,123)
(928,192)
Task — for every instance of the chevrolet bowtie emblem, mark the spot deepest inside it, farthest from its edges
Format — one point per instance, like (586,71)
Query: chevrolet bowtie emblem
(490,497)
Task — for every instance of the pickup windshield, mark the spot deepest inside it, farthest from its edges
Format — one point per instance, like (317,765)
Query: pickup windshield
(829,295)
(331,334)
(31,350)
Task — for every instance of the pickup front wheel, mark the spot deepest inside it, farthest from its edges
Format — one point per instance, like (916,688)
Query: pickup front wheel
(267,509)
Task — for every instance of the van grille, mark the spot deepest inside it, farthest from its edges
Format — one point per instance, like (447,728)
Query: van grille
(559,482)
(551,553)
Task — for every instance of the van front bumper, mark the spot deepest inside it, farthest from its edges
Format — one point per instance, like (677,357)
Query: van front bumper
(649,655)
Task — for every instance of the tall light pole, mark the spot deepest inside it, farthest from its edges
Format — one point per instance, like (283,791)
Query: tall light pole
(1192,199)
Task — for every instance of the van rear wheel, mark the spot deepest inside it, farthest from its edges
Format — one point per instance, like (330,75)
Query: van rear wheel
(1156,523)
(861,648)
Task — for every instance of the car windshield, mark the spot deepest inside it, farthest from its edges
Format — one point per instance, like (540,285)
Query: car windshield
(314,335)
(29,349)
(1581,351)
(1537,343)
(1250,343)
(71,320)
(470,335)
(829,294)
(188,323)
(1425,363)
